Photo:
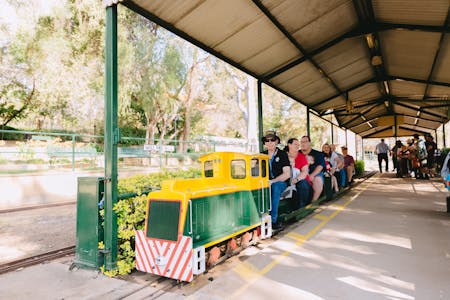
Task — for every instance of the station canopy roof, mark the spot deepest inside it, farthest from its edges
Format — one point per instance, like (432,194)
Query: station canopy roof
(372,64)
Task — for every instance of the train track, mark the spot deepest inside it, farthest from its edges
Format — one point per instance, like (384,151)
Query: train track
(33,260)
(47,205)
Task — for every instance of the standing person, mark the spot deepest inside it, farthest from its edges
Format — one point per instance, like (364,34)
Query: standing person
(317,167)
(279,173)
(349,165)
(421,154)
(382,150)
(431,148)
(300,177)
(394,152)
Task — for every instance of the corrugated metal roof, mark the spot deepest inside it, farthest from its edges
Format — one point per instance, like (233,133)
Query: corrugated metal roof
(361,60)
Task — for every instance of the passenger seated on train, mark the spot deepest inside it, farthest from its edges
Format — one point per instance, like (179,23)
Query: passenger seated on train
(299,174)
(349,165)
(316,169)
(340,168)
(279,173)
(336,163)
(329,173)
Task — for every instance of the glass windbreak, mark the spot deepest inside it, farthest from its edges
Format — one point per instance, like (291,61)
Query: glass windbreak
(209,168)
(238,169)
(254,165)
(163,220)
(264,168)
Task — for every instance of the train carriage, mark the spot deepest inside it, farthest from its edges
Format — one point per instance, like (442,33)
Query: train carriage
(189,218)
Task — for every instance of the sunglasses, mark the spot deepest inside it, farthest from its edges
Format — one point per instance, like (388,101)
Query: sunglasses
(270,140)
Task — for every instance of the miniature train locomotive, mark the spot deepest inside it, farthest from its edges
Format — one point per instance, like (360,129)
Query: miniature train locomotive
(189,219)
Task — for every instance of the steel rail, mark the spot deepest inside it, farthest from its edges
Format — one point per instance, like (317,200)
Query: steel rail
(36,259)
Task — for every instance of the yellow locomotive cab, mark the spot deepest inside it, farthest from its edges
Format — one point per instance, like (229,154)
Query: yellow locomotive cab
(188,215)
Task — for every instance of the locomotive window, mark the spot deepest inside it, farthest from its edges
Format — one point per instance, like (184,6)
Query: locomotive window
(163,219)
(209,168)
(263,168)
(254,164)
(238,169)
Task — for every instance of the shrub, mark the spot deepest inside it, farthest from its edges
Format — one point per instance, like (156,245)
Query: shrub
(359,168)
(131,213)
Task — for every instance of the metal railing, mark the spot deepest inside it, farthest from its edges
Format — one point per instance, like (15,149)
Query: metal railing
(50,150)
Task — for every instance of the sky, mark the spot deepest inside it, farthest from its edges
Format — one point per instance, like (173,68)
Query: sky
(9,16)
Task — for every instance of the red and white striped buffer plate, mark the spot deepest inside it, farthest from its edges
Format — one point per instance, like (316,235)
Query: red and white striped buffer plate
(171,259)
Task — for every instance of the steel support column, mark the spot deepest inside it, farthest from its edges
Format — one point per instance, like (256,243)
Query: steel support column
(443,135)
(111,137)
(395,127)
(332,133)
(260,115)
(308,123)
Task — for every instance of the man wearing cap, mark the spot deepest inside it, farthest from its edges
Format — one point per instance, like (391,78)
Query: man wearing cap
(279,173)
(349,164)
(382,150)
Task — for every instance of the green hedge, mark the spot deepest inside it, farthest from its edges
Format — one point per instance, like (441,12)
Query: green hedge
(359,168)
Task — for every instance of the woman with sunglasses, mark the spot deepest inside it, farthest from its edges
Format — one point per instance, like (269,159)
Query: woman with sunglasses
(279,173)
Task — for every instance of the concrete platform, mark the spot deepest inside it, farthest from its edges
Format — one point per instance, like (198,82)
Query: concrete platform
(388,238)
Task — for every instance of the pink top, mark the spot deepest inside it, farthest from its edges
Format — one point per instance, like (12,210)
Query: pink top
(300,162)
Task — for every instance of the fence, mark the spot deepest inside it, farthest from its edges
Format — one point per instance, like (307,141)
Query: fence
(27,150)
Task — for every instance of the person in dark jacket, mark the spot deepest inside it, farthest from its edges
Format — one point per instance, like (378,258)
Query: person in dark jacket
(279,173)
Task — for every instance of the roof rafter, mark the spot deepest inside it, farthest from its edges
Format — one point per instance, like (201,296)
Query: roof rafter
(377,130)
(422,110)
(307,55)
(436,55)
(418,80)
(358,85)
(302,50)
(366,17)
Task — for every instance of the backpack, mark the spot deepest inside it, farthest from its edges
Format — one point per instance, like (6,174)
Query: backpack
(421,150)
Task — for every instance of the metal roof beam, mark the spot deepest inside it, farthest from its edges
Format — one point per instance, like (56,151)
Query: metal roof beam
(361,115)
(358,85)
(382,26)
(366,17)
(424,128)
(375,132)
(424,111)
(438,50)
(421,118)
(419,80)
(377,101)
(307,55)
(287,34)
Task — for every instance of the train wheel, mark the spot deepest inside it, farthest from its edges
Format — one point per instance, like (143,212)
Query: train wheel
(245,240)
(231,247)
(214,255)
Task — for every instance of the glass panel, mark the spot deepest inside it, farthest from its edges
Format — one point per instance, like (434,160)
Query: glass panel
(263,168)
(209,168)
(163,220)
(254,164)
(238,169)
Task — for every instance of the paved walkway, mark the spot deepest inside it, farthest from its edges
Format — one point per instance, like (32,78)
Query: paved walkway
(388,238)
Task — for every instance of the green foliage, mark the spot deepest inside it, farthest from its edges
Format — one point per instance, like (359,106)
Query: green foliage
(359,168)
(131,213)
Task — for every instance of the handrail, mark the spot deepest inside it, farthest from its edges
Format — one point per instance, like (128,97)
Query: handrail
(190,217)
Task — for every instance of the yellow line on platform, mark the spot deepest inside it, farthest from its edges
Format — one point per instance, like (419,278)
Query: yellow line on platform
(250,274)
(296,236)
(321,217)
